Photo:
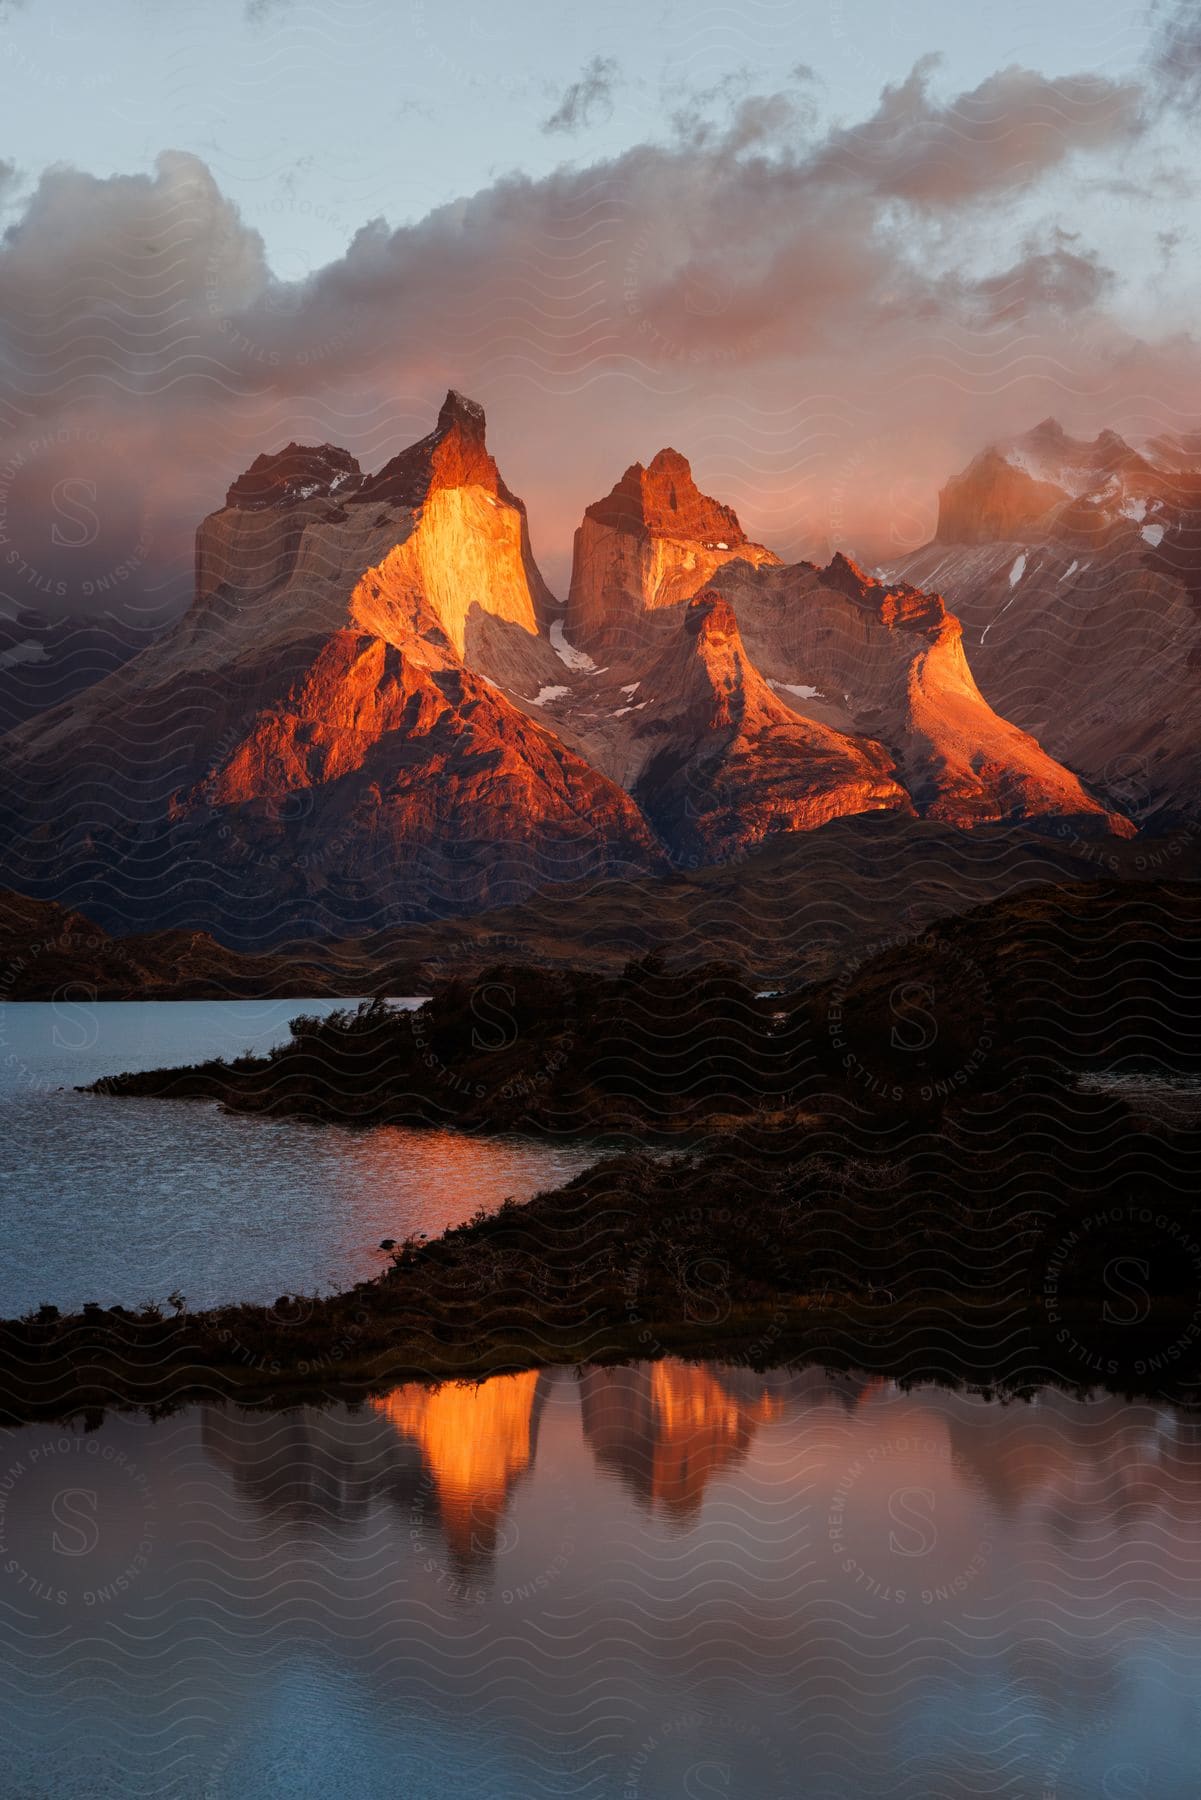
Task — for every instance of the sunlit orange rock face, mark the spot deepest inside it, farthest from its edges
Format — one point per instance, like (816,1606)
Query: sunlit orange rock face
(343,739)
(374,710)
(816,694)
(885,661)
(654,541)
(477,1441)
(436,530)
(728,763)
(401,761)
(666,1430)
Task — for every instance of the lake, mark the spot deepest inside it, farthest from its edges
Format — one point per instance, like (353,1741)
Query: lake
(121,1201)
(618,1584)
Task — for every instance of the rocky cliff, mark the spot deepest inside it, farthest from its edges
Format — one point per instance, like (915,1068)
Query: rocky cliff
(374,711)
(652,542)
(725,763)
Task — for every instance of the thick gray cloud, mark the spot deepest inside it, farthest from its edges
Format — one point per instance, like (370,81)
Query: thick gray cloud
(793,312)
(588,99)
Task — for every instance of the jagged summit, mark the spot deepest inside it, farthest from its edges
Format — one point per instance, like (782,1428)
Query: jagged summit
(433,543)
(457,409)
(895,603)
(727,763)
(1049,430)
(1046,481)
(996,499)
(663,499)
(297,472)
(653,541)
(1076,465)
(454,454)
(846,576)
(1176,451)
(1073,563)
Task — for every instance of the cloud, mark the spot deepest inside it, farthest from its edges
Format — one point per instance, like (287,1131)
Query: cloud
(1002,136)
(729,115)
(1176,56)
(588,99)
(1050,280)
(801,312)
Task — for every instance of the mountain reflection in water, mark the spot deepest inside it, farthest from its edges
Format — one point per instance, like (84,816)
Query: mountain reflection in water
(605,1583)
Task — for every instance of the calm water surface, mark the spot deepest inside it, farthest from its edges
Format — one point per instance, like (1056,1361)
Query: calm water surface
(128,1200)
(656,1582)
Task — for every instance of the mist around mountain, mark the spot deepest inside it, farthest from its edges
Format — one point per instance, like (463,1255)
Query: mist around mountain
(375,713)
(1075,567)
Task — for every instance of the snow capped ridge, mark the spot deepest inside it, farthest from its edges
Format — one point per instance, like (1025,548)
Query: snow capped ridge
(1045,484)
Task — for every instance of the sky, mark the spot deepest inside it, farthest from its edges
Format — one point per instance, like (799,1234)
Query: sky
(828,251)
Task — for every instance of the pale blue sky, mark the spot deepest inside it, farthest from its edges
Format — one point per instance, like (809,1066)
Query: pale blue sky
(319,115)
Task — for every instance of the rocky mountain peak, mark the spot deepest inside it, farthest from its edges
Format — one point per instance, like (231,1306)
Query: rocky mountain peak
(845,576)
(1176,450)
(1076,465)
(459,413)
(297,472)
(398,717)
(998,499)
(710,618)
(663,500)
(454,454)
(896,604)
(1047,484)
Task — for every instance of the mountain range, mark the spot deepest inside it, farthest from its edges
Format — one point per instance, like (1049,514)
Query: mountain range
(375,712)
(1075,567)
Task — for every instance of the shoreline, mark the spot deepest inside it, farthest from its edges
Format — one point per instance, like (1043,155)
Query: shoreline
(90,1367)
(960,1208)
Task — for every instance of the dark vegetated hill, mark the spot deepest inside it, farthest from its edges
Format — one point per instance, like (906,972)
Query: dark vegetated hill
(789,912)
(1083,977)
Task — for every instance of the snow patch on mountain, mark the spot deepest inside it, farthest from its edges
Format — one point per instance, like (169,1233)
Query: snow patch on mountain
(549,693)
(798,688)
(568,654)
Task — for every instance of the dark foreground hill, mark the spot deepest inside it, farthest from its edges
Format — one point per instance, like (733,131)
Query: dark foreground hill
(1085,978)
(791,911)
